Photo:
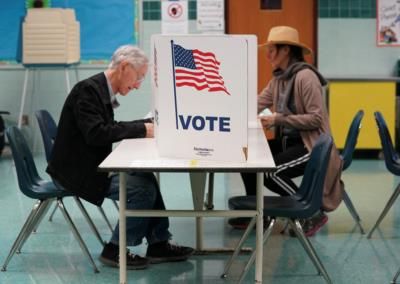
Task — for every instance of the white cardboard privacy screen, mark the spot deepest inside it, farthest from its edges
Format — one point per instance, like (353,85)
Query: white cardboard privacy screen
(200,89)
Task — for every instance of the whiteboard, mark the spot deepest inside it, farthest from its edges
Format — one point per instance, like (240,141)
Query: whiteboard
(105,25)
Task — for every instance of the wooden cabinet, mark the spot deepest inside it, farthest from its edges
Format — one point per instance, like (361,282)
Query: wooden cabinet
(347,96)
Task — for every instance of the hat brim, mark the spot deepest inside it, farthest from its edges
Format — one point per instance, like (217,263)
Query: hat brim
(306,49)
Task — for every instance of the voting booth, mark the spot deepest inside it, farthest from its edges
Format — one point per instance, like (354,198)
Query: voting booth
(200,94)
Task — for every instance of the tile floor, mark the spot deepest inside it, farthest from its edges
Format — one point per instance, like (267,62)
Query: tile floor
(53,256)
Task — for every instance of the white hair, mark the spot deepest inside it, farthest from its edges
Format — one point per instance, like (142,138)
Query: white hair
(132,54)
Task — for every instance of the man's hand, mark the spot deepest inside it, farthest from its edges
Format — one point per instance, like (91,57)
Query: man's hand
(269,120)
(149,130)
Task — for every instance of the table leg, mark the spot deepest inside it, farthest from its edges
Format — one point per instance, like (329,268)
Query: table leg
(122,228)
(259,227)
(210,194)
(198,182)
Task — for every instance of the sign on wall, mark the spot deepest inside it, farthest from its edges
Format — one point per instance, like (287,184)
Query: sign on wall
(211,16)
(200,89)
(174,17)
(388,22)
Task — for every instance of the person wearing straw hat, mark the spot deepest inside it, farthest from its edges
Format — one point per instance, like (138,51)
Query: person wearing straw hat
(292,104)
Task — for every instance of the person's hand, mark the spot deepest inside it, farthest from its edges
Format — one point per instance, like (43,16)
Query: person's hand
(149,130)
(268,121)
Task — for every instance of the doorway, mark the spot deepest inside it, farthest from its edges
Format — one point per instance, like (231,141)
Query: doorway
(258,16)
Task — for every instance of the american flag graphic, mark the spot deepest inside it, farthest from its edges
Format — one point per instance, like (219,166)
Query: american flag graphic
(197,69)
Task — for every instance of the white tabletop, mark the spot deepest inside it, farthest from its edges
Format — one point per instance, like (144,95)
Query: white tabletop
(142,155)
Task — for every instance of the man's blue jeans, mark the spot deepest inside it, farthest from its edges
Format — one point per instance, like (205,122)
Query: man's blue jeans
(143,192)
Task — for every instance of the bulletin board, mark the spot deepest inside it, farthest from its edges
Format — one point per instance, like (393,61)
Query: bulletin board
(104,25)
(388,23)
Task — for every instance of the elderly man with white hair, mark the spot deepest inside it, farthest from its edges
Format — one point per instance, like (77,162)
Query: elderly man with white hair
(86,131)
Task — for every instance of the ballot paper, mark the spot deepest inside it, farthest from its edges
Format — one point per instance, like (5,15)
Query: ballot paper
(265,112)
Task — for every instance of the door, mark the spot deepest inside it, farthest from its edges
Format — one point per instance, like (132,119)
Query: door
(258,16)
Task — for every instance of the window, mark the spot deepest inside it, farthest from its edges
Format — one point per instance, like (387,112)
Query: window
(271,4)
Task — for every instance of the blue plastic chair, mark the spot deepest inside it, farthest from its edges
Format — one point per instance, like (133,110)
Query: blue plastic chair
(48,130)
(36,188)
(392,162)
(347,156)
(301,205)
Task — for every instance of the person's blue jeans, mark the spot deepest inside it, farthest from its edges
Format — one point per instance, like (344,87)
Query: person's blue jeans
(142,192)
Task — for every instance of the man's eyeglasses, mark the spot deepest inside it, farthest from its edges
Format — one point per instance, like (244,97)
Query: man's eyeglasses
(139,78)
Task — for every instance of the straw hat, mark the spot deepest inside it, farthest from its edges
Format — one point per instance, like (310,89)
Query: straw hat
(285,35)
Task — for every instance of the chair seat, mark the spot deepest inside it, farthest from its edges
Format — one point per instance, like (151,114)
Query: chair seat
(47,189)
(275,206)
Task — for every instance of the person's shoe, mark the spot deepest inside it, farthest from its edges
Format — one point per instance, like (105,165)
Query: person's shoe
(312,225)
(110,257)
(167,252)
(241,223)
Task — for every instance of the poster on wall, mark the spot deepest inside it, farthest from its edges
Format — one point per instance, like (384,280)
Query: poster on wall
(388,22)
(211,16)
(174,17)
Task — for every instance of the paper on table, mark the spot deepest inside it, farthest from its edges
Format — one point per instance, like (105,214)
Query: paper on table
(165,163)
(265,112)
(149,115)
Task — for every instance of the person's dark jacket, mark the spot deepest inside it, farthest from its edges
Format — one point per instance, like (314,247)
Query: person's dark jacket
(85,134)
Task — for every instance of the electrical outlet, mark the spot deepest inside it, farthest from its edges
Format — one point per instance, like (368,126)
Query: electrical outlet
(25,119)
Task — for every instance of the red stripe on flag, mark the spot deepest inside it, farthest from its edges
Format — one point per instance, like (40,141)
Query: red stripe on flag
(205,76)
(198,87)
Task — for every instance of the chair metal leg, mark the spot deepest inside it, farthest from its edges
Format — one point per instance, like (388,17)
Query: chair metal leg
(22,233)
(89,220)
(285,227)
(267,233)
(76,234)
(41,217)
(298,233)
(395,277)
(34,223)
(101,210)
(52,213)
(310,249)
(352,210)
(115,204)
(239,246)
(385,210)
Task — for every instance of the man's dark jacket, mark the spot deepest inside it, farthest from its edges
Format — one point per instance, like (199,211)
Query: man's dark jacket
(85,134)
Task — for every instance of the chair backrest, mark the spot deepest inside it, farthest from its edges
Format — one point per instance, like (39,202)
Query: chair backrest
(25,165)
(48,129)
(312,185)
(390,154)
(351,139)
